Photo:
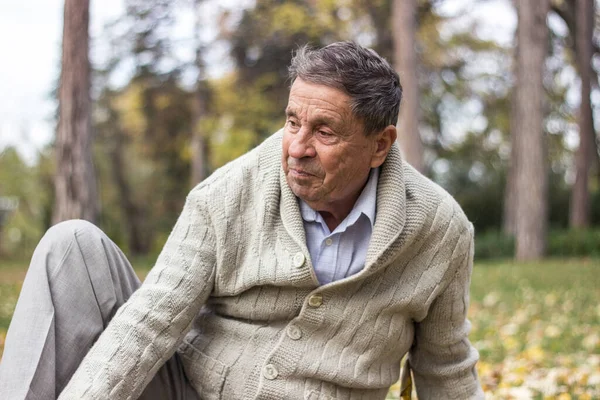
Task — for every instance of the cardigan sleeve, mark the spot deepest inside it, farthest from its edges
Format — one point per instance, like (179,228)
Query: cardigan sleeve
(146,330)
(442,358)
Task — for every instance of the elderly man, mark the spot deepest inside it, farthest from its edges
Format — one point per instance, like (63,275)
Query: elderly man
(306,269)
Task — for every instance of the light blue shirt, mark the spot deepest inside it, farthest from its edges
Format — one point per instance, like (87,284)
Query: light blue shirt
(341,253)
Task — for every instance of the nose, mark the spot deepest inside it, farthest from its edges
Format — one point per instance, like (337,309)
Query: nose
(302,144)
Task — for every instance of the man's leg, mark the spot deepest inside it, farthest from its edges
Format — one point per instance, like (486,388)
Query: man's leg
(76,281)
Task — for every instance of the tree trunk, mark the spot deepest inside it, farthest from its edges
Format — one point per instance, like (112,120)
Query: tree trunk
(199,143)
(580,196)
(384,42)
(405,59)
(532,177)
(75,180)
(509,216)
(133,219)
(568,12)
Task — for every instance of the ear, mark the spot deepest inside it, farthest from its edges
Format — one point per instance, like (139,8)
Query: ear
(383,143)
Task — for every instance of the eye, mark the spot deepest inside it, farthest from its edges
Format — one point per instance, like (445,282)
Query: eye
(325,133)
(292,123)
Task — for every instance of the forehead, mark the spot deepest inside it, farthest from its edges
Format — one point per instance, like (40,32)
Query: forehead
(308,98)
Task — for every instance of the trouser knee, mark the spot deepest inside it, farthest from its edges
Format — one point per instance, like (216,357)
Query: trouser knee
(64,237)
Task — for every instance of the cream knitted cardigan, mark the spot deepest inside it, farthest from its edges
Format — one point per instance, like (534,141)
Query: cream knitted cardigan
(236,276)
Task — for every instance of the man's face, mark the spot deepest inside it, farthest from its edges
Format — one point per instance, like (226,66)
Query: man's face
(326,155)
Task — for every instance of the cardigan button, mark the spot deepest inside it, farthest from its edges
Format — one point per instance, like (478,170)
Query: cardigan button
(294,332)
(316,300)
(299,259)
(270,372)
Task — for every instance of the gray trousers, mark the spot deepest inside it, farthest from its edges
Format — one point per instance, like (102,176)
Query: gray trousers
(76,281)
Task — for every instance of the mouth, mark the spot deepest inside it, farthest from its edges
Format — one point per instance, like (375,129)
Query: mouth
(300,172)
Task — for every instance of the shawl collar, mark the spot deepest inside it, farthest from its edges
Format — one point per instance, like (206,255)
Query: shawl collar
(290,213)
(391,209)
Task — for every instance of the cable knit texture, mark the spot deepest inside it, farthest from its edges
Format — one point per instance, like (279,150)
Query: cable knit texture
(234,292)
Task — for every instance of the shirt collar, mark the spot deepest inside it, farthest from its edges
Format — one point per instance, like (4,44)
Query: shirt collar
(365,204)
(367,201)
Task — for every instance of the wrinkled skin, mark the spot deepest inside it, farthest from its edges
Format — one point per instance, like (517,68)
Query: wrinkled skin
(326,155)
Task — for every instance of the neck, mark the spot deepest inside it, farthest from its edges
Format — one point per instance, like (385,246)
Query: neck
(334,213)
(331,220)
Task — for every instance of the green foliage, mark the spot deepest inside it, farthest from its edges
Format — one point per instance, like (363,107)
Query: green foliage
(291,19)
(474,173)
(148,129)
(253,99)
(574,243)
(144,129)
(561,243)
(493,245)
(9,293)
(240,116)
(30,186)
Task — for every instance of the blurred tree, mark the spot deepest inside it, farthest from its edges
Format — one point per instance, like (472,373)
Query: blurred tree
(464,90)
(115,143)
(155,132)
(532,173)
(159,108)
(587,157)
(405,61)
(75,181)
(567,11)
(379,12)
(199,145)
(509,212)
(145,128)
(262,47)
(584,33)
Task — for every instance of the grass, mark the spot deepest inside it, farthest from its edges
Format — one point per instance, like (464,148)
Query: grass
(536,325)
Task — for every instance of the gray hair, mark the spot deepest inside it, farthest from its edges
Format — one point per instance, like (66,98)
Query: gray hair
(364,75)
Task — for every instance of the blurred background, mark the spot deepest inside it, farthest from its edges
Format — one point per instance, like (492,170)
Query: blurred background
(112,111)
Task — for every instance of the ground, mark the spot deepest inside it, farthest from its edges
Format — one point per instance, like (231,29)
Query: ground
(536,326)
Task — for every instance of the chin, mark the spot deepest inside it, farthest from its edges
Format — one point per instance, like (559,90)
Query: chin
(302,193)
